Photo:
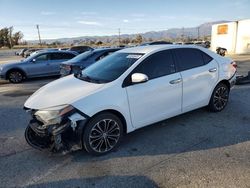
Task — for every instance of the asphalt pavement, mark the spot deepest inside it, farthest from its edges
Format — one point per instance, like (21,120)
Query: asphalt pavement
(196,149)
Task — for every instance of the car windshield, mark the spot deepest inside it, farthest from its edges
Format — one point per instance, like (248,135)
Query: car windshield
(109,68)
(31,57)
(82,56)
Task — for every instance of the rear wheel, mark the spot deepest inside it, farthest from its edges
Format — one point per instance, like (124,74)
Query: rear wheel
(219,98)
(15,76)
(102,134)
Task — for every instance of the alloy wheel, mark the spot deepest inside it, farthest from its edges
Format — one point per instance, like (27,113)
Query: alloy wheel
(15,77)
(104,135)
(220,98)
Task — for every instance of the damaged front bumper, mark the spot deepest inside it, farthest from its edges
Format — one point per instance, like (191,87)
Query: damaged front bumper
(64,137)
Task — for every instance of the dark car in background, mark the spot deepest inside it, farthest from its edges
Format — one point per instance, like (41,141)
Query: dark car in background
(155,43)
(80,62)
(43,50)
(21,52)
(80,49)
(39,65)
(30,51)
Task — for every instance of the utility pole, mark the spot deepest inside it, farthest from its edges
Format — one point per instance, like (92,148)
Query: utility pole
(37,26)
(10,36)
(182,36)
(198,29)
(119,34)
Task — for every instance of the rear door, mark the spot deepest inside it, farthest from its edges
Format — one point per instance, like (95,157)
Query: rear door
(56,59)
(159,97)
(199,74)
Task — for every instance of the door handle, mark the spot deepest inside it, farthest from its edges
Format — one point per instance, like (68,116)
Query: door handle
(212,70)
(176,81)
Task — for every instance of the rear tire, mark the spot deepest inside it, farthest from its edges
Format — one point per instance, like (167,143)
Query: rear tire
(219,98)
(102,134)
(15,76)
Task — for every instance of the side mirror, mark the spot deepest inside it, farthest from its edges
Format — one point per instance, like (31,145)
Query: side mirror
(139,78)
(33,60)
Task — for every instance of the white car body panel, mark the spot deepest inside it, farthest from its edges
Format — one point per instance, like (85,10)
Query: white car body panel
(60,92)
(198,83)
(154,100)
(140,104)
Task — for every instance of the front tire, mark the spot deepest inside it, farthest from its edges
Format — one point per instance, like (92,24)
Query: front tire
(219,98)
(102,134)
(15,76)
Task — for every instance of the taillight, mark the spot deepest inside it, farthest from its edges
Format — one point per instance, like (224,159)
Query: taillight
(234,64)
(67,67)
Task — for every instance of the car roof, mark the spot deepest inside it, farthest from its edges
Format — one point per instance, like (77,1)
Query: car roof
(57,51)
(105,49)
(152,48)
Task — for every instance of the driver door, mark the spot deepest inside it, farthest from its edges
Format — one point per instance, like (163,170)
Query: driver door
(161,96)
(39,65)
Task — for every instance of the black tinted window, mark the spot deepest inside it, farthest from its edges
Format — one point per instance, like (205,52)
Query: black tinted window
(157,65)
(57,56)
(188,58)
(109,68)
(206,58)
(43,57)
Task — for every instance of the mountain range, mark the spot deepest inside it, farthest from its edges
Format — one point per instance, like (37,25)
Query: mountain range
(171,34)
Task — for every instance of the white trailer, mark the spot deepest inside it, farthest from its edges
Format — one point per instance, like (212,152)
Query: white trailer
(234,36)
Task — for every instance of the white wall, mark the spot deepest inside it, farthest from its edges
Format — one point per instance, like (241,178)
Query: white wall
(227,41)
(243,37)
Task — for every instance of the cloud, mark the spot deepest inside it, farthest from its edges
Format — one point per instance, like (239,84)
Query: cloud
(88,13)
(125,21)
(138,19)
(169,17)
(47,13)
(138,15)
(89,23)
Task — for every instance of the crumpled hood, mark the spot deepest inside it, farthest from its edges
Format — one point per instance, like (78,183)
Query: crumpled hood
(60,92)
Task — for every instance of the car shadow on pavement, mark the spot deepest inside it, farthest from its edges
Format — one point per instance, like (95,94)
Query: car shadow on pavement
(102,182)
(31,80)
(193,131)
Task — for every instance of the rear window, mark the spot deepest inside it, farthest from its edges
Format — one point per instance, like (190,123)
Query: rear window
(189,58)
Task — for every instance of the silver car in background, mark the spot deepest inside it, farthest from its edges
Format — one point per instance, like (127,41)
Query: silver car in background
(46,63)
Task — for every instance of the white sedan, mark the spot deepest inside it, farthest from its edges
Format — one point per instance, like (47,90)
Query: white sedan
(125,91)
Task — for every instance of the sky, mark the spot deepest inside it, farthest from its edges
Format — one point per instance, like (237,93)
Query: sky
(74,18)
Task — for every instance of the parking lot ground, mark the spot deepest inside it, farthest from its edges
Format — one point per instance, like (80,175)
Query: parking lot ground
(197,149)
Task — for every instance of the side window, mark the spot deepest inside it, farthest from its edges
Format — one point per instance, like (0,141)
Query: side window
(58,56)
(206,58)
(157,65)
(43,57)
(67,56)
(188,58)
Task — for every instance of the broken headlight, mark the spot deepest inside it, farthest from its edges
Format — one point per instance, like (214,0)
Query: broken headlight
(53,115)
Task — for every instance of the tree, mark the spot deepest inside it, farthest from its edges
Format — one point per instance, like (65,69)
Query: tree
(8,39)
(17,37)
(4,37)
(99,43)
(138,38)
(126,41)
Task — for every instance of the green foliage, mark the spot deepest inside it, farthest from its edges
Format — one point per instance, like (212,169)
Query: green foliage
(9,39)
(138,39)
